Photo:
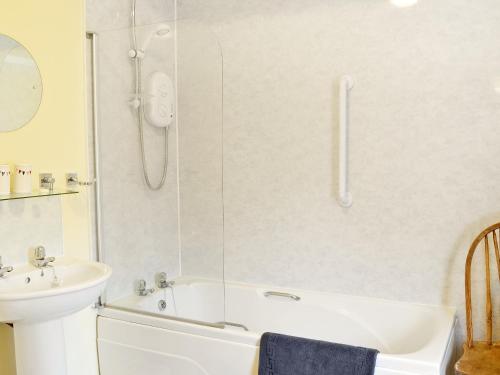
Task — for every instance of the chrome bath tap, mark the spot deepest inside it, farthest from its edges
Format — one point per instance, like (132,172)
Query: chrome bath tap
(4,270)
(162,281)
(41,260)
(141,289)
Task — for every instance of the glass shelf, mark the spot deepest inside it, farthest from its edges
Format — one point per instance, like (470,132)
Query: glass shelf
(36,194)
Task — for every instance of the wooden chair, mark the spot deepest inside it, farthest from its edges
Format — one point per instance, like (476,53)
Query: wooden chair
(481,357)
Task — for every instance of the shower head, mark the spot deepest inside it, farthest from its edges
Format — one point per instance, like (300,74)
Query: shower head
(161,32)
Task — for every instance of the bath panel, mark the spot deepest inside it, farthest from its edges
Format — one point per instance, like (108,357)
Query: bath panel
(412,339)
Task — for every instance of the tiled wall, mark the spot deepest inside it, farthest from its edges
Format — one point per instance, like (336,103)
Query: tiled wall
(115,14)
(28,223)
(423,142)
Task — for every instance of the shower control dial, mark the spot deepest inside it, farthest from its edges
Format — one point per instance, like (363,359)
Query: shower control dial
(135,54)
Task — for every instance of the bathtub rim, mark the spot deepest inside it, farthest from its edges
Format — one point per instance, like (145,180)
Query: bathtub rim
(189,326)
(187,280)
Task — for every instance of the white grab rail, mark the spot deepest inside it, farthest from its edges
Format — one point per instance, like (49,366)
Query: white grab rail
(346,84)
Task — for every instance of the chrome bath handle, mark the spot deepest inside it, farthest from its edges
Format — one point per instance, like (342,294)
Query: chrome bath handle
(281,294)
(237,325)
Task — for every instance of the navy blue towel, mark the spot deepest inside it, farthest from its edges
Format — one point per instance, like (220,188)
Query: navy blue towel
(288,355)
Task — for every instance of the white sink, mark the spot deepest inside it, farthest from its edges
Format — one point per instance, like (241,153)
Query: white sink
(36,300)
(65,288)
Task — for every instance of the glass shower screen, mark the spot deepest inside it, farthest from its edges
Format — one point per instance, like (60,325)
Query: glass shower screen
(159,95)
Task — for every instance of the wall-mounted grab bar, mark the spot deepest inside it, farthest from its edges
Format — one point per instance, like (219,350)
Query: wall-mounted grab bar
(346,84)
(281,294)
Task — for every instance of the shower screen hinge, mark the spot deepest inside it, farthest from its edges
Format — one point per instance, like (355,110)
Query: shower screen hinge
(98,304)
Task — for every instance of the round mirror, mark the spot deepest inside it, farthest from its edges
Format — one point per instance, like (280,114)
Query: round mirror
(20,85)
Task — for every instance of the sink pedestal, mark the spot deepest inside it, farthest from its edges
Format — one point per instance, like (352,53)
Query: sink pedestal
(40,348)
(36,302)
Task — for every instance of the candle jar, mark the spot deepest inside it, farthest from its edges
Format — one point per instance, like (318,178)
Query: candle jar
(4,179)
(22,179)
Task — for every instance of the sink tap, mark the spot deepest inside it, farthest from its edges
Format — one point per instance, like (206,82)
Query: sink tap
(4,270)
(41,261)
(141,289)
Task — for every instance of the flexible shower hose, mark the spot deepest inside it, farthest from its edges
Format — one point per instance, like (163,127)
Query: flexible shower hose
(140,115)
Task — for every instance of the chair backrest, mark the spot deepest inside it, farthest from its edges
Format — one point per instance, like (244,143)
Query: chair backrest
(483,237)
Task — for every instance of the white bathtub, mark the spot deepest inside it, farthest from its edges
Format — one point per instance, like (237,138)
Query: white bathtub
(412,339)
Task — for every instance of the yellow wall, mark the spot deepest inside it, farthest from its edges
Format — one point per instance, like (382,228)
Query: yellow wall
(7,364)
(55,140)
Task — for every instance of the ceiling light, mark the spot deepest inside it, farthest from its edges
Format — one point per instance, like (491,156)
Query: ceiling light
(404,3)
